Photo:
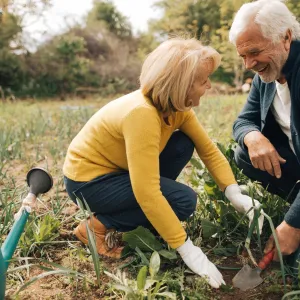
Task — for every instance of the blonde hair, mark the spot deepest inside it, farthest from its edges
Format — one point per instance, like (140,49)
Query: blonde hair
(169,71)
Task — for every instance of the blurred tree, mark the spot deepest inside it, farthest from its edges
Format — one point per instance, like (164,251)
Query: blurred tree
(294,6)
(11,72)
(102,55)
(84,60)
(10,63)
(12,68)
(199,19)
(14,12)
(73,66)
(9,30)
(146,43)
(58,67)
(232,65)
(203,19)
(106,12)
(208,21)
(174,19)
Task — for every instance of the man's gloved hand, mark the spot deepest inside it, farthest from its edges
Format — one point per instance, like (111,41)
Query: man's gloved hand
(243,203)
(198,262)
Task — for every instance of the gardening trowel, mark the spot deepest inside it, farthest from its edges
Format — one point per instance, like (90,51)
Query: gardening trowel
(248,278)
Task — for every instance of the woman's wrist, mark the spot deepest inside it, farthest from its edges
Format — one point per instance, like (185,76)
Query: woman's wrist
(232,190)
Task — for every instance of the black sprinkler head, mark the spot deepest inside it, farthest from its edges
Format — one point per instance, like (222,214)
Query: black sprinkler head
(39,181)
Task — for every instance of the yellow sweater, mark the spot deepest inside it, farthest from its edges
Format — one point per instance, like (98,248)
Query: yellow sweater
(129,134)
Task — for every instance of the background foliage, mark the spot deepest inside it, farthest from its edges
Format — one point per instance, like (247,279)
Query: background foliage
(103,56)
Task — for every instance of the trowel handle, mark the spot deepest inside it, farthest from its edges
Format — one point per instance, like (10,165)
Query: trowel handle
(266,260)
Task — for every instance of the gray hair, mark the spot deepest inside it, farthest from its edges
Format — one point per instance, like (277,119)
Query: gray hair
(273,17)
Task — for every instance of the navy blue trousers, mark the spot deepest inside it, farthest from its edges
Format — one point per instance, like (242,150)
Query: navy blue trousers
(290,174)
(111,199)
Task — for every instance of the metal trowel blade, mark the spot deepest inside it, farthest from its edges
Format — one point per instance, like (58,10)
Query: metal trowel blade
(247,278)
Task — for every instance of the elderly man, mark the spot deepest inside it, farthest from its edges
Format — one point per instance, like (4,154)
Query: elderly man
(267,38)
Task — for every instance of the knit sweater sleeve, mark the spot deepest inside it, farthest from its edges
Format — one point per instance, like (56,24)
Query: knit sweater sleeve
(249,119)
(209,153)
(142,132)
(292,216)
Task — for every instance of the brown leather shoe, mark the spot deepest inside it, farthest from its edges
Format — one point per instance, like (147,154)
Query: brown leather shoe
(100,234)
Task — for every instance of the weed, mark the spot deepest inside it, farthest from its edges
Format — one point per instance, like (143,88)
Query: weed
(38,232)
(144,286)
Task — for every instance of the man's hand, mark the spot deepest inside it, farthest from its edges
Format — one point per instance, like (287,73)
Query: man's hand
(198,262)
(262,153)
(288,238)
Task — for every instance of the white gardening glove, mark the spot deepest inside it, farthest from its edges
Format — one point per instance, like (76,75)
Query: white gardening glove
(198,262)
(243,203)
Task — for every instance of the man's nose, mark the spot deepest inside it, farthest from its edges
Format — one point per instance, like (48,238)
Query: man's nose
(249,63)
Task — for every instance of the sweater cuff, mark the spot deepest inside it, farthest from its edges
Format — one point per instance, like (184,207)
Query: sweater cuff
(242,143)
(292,217)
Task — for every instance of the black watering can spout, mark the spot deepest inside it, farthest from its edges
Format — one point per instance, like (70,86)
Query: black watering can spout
(39,181)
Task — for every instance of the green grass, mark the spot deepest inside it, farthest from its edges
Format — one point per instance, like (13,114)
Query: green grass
(38,134)
(217,114)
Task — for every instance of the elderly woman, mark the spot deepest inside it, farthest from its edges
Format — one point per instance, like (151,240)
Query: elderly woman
(125,160)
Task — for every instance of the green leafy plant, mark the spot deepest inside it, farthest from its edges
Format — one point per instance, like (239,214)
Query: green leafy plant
(39,232)
(145,286)
(215,217)
(142,240)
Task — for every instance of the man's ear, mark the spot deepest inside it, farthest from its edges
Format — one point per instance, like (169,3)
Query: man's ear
(288,40)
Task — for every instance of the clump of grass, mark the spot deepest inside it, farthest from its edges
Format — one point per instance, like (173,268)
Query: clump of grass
(39,232)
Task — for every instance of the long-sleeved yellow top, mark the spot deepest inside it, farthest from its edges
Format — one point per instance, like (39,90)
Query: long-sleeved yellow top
(129,134)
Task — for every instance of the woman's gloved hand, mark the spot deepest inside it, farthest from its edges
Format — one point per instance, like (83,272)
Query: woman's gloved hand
(243,203)
(198,262)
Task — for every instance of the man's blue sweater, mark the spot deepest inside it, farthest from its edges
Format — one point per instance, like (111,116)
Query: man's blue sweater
(255,112)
